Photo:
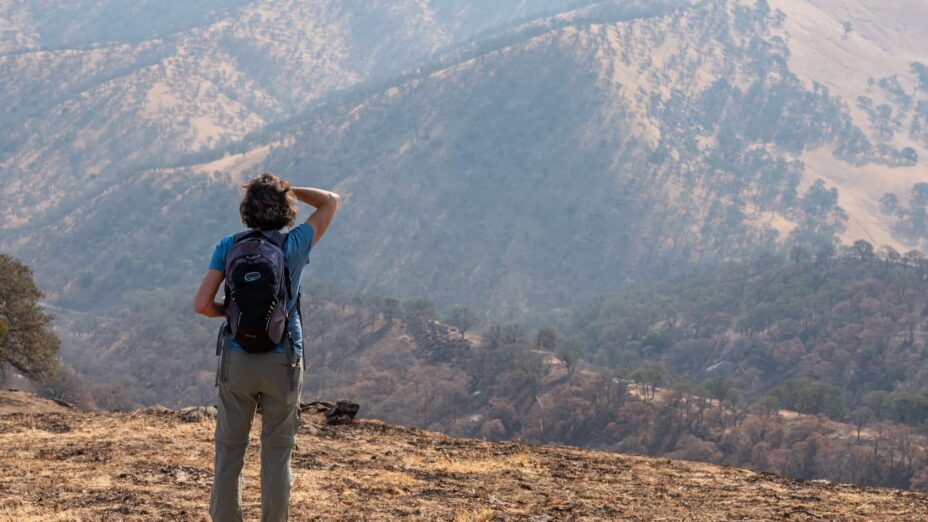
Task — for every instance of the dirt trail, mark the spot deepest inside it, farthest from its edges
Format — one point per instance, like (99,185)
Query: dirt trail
(152,466)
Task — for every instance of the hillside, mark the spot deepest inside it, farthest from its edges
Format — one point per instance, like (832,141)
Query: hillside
(146,465)
(856,321)
(700,367)
(596,147)
(93,91)
(16,401)
(867,54)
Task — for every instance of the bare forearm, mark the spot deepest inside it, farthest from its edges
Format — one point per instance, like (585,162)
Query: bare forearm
(315,197)
(326,204)
(213,309)
(204,302)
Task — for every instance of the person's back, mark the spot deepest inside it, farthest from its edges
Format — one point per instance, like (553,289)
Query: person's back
(274,377)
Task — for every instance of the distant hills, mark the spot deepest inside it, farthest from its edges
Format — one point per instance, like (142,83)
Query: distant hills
(809,366)
(521,160)
(97,90)
(512,161)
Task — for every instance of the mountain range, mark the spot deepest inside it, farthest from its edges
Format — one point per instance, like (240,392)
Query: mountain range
(514,158)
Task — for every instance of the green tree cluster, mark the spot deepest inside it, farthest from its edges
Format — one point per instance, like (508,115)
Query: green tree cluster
(26,340)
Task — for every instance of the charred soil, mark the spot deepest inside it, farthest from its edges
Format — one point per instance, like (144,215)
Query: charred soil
(154,465)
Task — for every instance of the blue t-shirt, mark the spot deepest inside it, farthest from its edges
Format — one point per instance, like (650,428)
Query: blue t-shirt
(296,253)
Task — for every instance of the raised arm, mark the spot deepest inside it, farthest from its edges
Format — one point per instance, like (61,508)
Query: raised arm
(326,204)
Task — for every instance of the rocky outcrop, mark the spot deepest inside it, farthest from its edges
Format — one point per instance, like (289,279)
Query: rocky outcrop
(197,413)
(343,412)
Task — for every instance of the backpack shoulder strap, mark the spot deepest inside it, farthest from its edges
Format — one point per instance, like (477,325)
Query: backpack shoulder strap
(287,276)
(289,279)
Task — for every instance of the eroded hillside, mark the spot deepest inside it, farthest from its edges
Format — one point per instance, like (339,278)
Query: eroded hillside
(147,465)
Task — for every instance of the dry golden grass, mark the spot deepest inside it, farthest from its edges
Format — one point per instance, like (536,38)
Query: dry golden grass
(475,515)
(20,402)
(151,466)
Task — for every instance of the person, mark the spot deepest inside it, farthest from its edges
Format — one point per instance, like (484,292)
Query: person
(247,379)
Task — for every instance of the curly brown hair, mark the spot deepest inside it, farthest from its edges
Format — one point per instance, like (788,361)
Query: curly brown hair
(268,203)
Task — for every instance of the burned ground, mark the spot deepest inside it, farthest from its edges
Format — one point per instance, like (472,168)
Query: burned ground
(152,465)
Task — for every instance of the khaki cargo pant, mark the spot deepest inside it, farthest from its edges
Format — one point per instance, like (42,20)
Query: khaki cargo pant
(248,379)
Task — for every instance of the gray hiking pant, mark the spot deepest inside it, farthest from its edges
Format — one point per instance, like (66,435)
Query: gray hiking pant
(248,379)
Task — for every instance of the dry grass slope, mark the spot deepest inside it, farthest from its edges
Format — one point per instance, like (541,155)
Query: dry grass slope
(15,401)
(152,466)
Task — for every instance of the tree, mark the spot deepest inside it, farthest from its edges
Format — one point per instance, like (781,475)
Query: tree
(908,408)
(877,402)
(504,335)
(721,389)
(890,254)
(26,343)
(569,351)
(861,416)
(419,310)
(919,195)
(391,308)
(647,379)
(922,73)
(769,406)
(909,155)
(800,254)
(462,318)
(864,250)
(657,339)
(547,338)
(848,28)
(889,204)
(812,397)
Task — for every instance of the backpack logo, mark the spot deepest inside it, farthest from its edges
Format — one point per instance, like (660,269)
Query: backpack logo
(252,276)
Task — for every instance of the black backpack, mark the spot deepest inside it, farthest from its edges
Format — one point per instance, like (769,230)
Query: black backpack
(257,289)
